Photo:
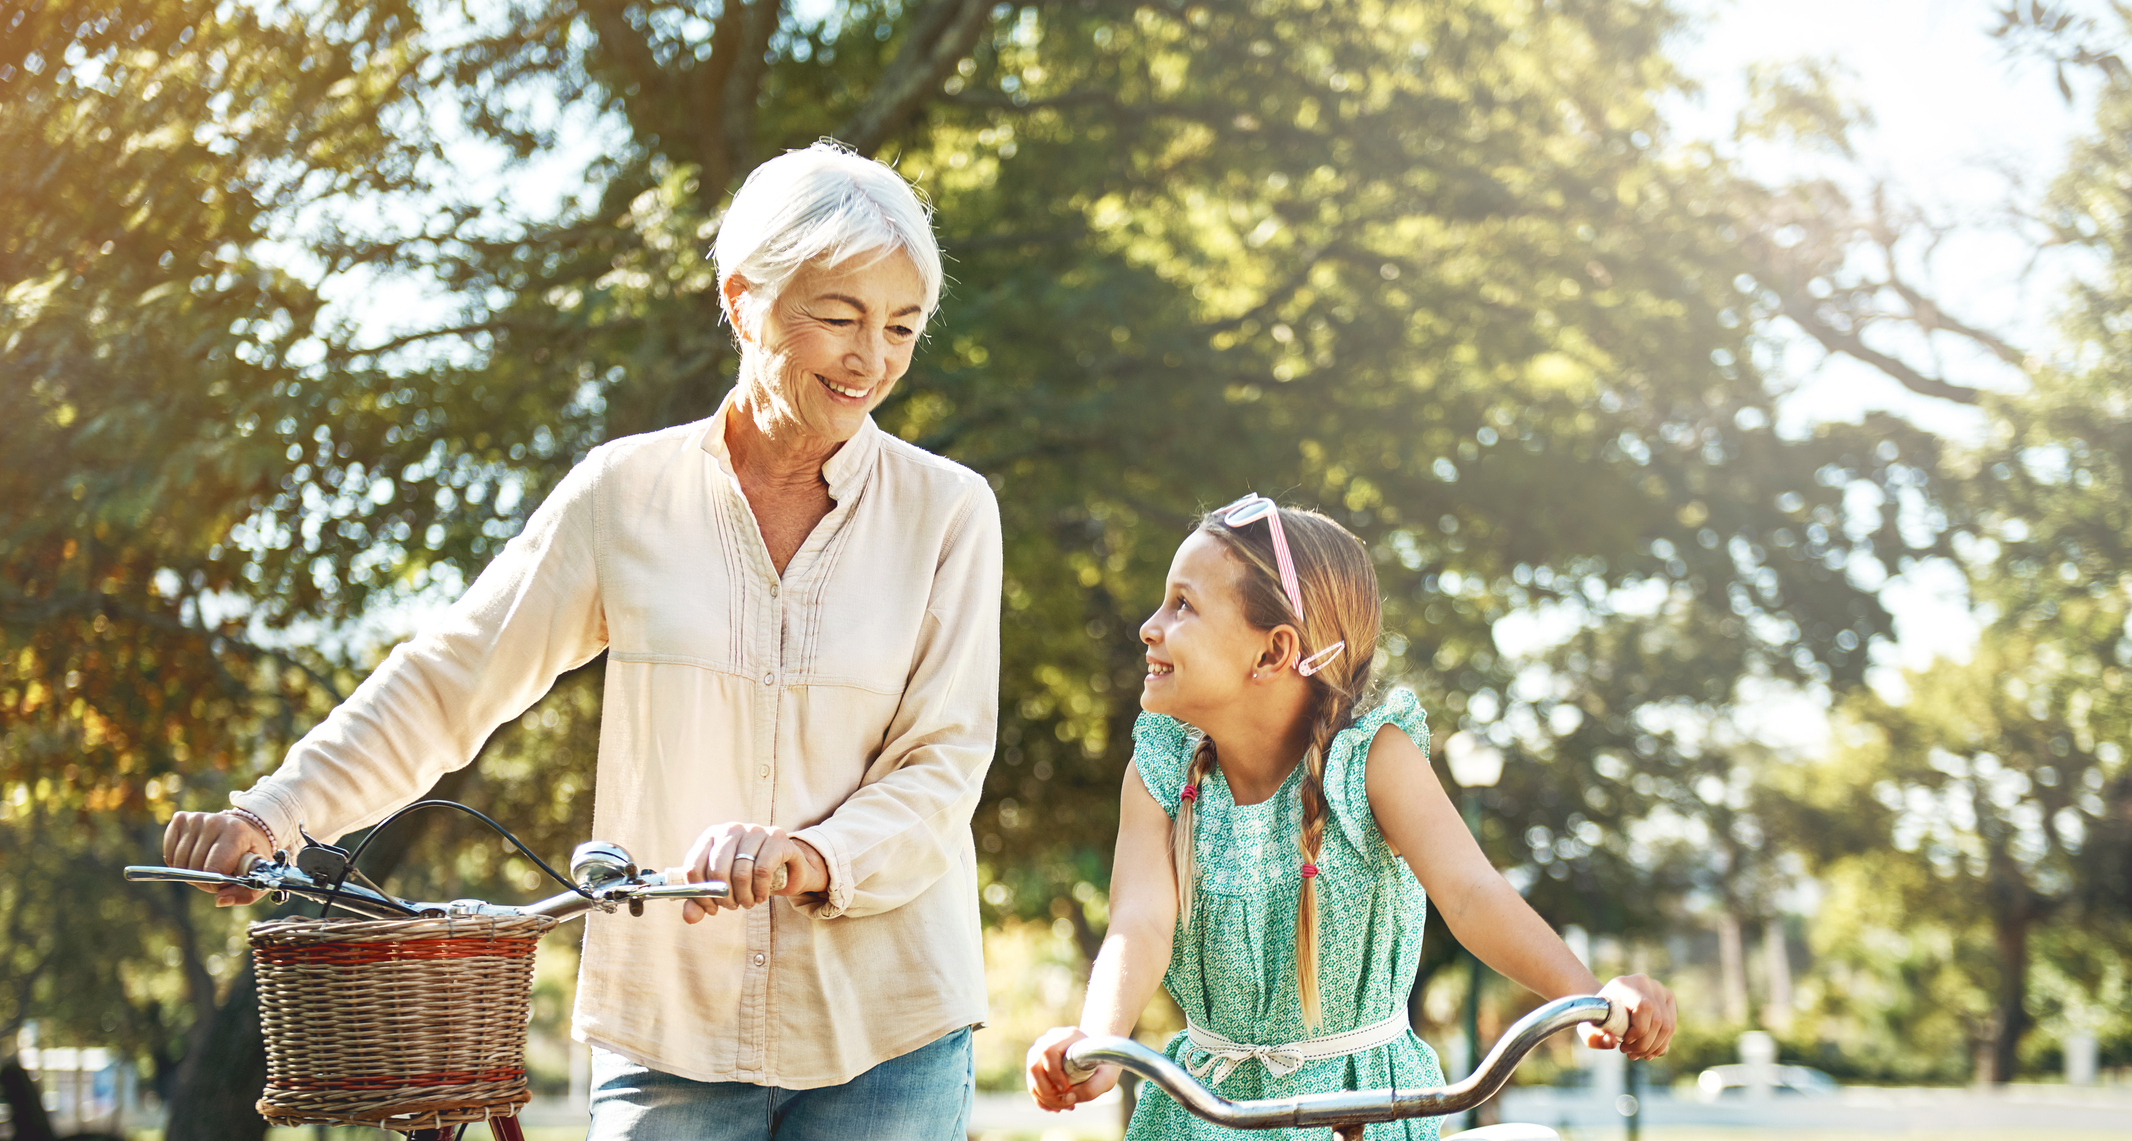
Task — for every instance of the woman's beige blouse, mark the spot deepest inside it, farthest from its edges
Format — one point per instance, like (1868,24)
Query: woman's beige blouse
(851,701)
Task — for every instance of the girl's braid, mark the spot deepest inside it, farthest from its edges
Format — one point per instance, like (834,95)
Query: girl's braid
(1181,830)
(1324,725)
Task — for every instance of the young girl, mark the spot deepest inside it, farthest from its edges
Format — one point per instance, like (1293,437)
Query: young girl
(1276,838)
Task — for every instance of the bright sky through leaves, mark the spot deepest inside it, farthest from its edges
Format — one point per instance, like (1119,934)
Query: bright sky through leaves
(1961,130)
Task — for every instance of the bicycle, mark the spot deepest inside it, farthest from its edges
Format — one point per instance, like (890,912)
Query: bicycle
(327,986)
(1348,1111)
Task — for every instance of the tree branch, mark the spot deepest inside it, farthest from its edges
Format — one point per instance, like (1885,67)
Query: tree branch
(1888,227)
(630,51)
(710,101)
(993,101)
(758,24)
(1852,345)
(939,38)
(406,339)
(1933,318)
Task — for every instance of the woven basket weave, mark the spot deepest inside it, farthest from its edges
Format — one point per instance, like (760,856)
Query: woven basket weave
(395,1023)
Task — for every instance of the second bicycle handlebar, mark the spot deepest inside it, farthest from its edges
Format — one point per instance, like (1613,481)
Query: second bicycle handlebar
(1349,1107)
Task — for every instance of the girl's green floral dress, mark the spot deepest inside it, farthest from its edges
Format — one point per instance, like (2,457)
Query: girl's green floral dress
(1234,972)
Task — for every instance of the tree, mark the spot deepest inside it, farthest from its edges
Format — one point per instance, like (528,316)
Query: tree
(1988,781)
(148,408)
(1989,804)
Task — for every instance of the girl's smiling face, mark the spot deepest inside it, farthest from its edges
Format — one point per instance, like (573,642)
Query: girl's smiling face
(1201,652)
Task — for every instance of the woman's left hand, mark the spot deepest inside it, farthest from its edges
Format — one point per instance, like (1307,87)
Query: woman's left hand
(748,857)
(1651,1018)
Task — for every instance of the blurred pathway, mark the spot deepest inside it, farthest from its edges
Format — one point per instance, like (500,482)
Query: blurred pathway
(2018,1113)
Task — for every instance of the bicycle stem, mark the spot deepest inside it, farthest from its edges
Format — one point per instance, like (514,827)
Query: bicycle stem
(1355,1106)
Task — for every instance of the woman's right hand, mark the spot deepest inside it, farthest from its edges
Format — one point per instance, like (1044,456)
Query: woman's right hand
(1048,1083)
(216,842)
(748,857)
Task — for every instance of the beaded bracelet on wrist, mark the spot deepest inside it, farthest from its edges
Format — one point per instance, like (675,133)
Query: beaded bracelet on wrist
(256,821)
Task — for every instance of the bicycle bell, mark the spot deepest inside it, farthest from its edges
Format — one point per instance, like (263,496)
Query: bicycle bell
(598,863)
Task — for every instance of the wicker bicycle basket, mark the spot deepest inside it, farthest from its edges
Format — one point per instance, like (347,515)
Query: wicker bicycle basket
(395,1023)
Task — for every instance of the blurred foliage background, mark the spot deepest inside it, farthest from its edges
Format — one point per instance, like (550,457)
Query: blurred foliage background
(303,306)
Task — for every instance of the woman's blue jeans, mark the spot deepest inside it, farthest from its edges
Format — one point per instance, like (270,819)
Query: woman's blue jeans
(925,1095)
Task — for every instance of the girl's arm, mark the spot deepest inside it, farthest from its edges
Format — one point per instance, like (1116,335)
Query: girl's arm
(1136,950)
(1489,917)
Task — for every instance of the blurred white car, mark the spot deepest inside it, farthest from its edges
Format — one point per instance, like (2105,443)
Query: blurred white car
(1731,1081)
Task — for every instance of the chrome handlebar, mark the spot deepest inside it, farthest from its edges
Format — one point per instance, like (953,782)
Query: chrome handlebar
(1349,1107)
(605,875)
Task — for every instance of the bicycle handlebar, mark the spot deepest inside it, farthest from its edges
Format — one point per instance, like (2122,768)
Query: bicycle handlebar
(605,875)
(1349,1107)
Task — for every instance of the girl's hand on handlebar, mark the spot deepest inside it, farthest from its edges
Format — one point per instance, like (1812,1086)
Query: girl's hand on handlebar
(1048,1083)
(216,842)
(747,856)
(1651,1018)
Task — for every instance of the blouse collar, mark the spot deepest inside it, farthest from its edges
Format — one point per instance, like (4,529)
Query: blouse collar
(844,467)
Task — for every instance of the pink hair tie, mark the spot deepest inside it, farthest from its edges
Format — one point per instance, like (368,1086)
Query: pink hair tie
(1191,792)
(1309,870)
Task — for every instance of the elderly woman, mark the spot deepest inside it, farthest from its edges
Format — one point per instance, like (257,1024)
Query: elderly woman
(801,619)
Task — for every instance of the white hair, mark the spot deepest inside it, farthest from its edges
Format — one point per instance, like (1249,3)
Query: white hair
(824,202)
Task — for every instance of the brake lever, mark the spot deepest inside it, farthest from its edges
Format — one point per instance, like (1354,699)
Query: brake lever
(149,873)
(321,861)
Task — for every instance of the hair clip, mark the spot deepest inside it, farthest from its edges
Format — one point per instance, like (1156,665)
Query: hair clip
(1191,792)
(1309,870)
(1319,660)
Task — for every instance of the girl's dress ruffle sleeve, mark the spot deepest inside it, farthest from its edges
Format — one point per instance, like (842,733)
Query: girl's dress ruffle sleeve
(1346,769)
(1162,751)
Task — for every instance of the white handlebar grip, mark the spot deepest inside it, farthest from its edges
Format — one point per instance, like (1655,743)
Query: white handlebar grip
(1617,1019)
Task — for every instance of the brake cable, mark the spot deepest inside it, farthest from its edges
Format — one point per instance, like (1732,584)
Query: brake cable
(349,868)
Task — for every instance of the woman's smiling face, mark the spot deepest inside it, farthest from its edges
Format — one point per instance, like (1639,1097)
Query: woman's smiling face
(1200,650)
(837,339)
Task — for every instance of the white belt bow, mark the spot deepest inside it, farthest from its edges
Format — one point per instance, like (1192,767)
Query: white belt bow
(1218,1056)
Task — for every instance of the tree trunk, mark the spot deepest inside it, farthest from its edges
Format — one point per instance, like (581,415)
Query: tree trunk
(1777,1015)
(2015,907)
(1732,968)
(25,1105)
(2010,931)
(220,1080)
